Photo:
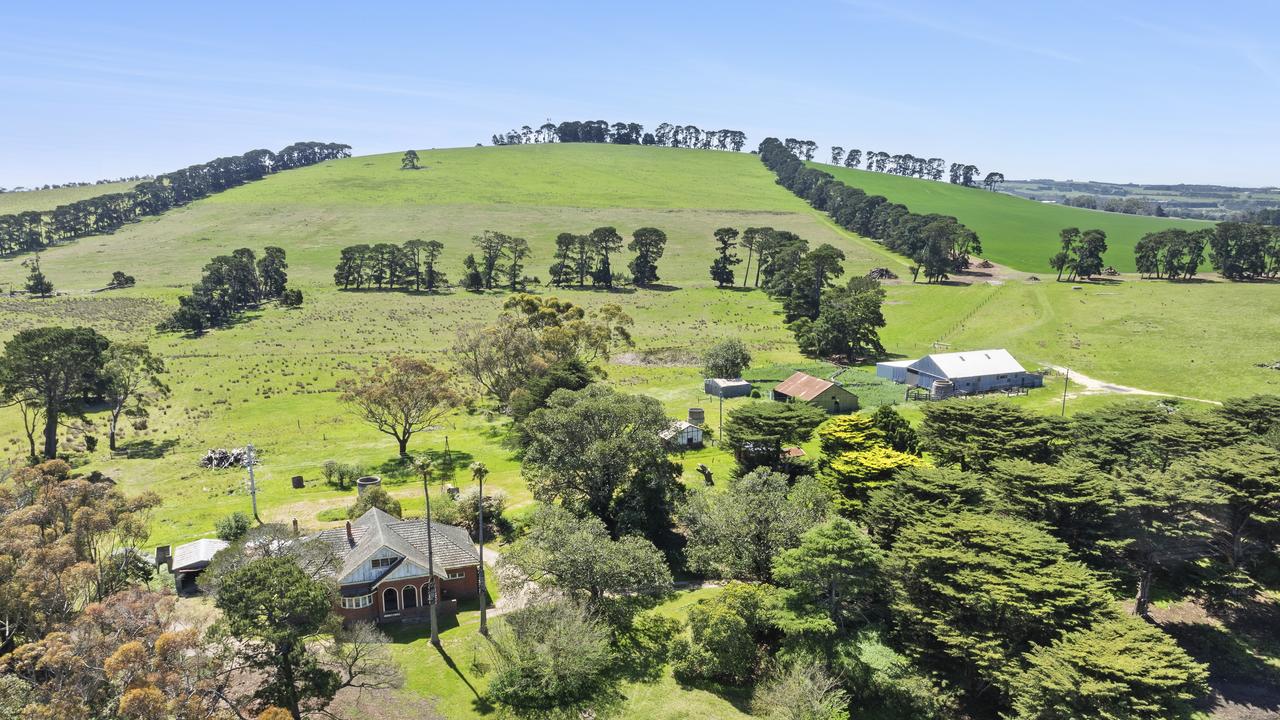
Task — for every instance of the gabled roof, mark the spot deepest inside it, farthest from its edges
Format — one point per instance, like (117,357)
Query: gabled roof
(728,382)
(677,427)
(375,530)
(803,386)
(196,555)
(973,363)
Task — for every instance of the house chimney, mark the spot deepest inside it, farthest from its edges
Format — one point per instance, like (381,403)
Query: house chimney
(295,526)
(351,538)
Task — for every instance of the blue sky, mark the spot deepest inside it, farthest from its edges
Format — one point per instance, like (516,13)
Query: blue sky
(1118,91)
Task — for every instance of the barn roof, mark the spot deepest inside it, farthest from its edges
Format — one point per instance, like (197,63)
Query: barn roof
(196,555)
(728,382)
(974,363)
(374,530)
(803,386)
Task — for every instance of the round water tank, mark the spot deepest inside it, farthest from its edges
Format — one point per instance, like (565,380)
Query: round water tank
(366,482)
(941,389)
(697,416)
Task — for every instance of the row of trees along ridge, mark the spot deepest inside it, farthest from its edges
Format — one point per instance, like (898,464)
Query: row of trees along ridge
(36,229)
(600,131)
(938,244)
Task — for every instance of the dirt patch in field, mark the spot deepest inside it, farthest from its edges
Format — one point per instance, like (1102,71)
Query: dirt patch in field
(659,357)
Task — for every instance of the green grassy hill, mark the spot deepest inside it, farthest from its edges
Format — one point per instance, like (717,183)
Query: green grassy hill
(1017,232)
(16,202)
(270,379)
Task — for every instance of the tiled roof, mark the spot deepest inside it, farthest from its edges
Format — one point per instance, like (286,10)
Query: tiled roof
(451,545)
(802,386)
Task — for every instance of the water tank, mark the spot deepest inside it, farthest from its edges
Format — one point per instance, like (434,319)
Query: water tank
(697,416)
(366,482)
(942,389)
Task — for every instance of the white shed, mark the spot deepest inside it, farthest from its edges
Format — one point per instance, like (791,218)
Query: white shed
(726,387)
(682,434)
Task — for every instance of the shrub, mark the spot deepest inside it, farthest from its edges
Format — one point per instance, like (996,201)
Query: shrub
(375,497)
(233,527)
(291,298)
(726,359)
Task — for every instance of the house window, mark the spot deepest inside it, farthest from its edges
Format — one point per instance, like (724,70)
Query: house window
(356,603)
(382,562)
(456,575)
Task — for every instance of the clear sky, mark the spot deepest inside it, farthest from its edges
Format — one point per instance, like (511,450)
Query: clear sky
(1122,90)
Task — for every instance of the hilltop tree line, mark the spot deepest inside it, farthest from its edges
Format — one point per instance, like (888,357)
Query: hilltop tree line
(938,244)
(230,285)
(908,165)
(827,319)
(619,133)
(34,230)
(56,186)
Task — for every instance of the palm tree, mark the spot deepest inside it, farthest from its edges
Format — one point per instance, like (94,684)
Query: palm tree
(426,468)
(479,471)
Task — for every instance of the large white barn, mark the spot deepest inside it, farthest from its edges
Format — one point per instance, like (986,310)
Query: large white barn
(964,373)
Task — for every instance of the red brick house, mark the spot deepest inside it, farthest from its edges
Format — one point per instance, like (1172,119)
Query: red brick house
(383,575)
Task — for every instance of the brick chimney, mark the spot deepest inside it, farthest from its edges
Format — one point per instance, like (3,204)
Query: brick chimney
(351,538)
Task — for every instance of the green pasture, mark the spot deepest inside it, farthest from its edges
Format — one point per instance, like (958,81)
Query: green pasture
(1017,232)
(271,378)
(16,202)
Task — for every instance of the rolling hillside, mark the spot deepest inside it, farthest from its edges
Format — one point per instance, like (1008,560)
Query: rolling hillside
(1017,232)
(16,202)
(270,379)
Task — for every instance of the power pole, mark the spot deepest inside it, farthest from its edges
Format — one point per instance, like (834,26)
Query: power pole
(1066,378)
(720,432)
(250,461)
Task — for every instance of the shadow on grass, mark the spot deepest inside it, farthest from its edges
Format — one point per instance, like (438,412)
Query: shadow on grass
(739,698)
(148,449)
(1239,675)
(397,470)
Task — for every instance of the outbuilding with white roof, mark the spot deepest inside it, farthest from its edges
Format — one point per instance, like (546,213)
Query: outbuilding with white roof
(964,373)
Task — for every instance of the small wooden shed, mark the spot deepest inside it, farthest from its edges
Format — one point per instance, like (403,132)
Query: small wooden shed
(802,387)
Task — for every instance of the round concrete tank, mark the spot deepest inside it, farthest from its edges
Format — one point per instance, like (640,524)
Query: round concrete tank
(697,416)
(366,482)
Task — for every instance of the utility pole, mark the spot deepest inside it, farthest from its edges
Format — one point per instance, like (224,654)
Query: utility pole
(478,471)
(1066,378)
(720,432)
(250,461)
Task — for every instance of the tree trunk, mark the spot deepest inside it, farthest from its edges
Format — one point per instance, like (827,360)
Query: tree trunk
(50,432)
(111,432)
(1142,602)
(404,445)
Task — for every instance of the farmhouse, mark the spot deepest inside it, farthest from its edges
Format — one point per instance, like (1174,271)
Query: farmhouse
(726,387)
(682,434)
(825,394)
(384,569)
(962,373)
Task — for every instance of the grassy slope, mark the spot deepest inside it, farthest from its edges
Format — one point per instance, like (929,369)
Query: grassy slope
(15,202)
(270,379)
(1015,231)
